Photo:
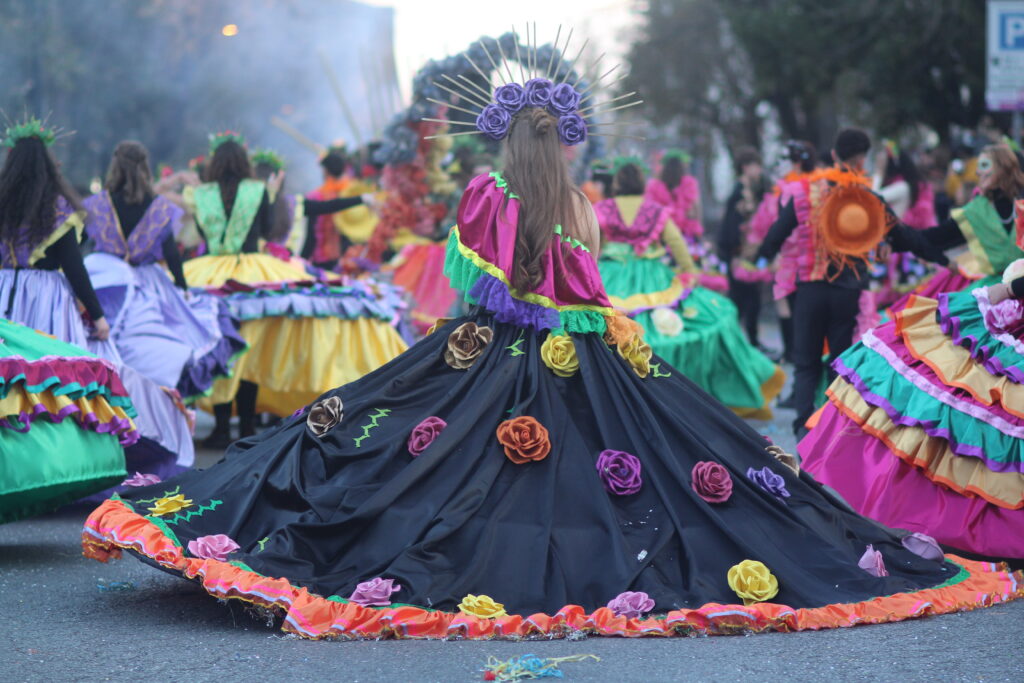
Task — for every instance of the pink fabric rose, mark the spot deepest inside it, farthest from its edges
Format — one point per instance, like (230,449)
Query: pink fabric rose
(375,592)
(424,434)
(711,481)
(1005,315)
(923,545)
(140,479)
(631,604)
(872,562)
(215,547)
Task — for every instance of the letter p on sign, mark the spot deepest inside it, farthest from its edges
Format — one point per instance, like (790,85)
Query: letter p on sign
(1011,31)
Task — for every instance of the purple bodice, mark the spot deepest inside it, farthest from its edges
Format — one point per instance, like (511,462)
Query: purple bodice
(20,253)
(144,244)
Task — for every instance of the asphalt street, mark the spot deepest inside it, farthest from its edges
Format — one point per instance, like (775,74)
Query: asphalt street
(64,622)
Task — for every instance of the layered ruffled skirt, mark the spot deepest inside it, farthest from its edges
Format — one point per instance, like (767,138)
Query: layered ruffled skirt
(65,417)
(419,270)
(304,336)
(184,344)
(924,428)
(696,330)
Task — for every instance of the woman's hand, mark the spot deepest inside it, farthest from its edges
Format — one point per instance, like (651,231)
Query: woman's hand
(370,201)
(999,292)
(102,329)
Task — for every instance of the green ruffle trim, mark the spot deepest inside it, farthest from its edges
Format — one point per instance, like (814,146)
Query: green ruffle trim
(463,274)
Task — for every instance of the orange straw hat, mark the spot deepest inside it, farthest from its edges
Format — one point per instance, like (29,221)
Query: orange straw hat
(851,221)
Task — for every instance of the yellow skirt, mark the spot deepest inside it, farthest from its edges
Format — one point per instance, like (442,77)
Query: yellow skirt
(214,271)
(294,360)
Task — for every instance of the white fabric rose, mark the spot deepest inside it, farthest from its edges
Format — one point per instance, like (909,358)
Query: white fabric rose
(667,322)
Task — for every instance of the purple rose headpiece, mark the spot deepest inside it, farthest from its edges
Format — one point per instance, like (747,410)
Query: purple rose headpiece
(556,88)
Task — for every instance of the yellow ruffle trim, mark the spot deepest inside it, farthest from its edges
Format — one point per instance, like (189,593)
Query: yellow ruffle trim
(214,271)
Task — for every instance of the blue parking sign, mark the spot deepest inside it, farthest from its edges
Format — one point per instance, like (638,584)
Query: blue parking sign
(1011,31)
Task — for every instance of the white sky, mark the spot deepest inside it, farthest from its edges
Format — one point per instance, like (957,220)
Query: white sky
(433,29)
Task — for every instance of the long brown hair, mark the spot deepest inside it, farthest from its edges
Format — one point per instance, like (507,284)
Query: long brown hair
(129,172)
(536,170)
(228,167)
(1008,176)
(30,183)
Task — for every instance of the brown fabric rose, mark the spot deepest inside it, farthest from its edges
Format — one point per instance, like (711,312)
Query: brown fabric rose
(466,344)
(324,415)
(524,439)
(787,459)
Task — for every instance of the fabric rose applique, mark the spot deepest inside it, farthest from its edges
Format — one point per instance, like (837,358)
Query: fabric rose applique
(559,353)
(667,322)
(424,434)
(441,322)
(524,439)
(482,606)
(769,481)
(140,479)
(324,415)
(214,547)
(752,581)
(711,481)
(620,472)
(374,593)
(631,604)
(638,354)
(872,562)
(923,545)
(466,344)
(169,504)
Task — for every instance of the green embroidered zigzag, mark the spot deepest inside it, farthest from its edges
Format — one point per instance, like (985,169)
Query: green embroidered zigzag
(178,517)
(167,494)
(262,542)
(379,412)
(656,371)
(514,346)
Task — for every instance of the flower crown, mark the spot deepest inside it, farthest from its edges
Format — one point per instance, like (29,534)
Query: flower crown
(555,86)
(268,157)
(218,139)
(620,162)
(679,154)
(30,128)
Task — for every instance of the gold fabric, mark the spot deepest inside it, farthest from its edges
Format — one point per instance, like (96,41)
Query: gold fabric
(953,364)
(933,456)
(676,244)
(214,271)
(770,388)
(665,297)
(19,400)
(295,360)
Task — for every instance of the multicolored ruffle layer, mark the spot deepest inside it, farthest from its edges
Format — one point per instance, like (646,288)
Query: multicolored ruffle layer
(355,299)
(197,377)
(115,526)
(924,427)
(37,383)
(484,284)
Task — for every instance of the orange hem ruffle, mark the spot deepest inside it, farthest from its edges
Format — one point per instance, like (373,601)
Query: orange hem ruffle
(113,526)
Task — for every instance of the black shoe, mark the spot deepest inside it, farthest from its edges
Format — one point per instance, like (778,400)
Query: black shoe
(217,441)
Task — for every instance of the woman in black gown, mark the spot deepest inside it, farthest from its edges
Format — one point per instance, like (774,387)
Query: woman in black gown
(529,468)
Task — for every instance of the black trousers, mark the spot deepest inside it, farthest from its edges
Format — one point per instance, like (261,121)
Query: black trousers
(821,311)
(747,297)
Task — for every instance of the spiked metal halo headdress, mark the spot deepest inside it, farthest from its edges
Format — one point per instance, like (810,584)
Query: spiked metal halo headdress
(555,86)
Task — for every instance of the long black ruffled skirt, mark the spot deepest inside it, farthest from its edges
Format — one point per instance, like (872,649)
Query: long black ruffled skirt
(328,512)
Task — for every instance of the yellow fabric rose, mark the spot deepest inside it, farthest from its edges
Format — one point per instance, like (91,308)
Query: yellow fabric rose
(753,582)
(559,353)
(166,506)
(482,606)
(638,354)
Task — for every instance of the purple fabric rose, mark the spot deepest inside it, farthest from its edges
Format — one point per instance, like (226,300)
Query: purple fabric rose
(620,472)
(424,433)
(769,481)
(375,592)
(140,479)
(872,562)
(631,604)
(923,545)
(494,121)
(572,129)
(565,99)
(538,92)
(214,547)
(511,97)
(711,481)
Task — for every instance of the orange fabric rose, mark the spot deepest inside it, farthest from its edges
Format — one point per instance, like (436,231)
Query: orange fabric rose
(620,329)
(524,439)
